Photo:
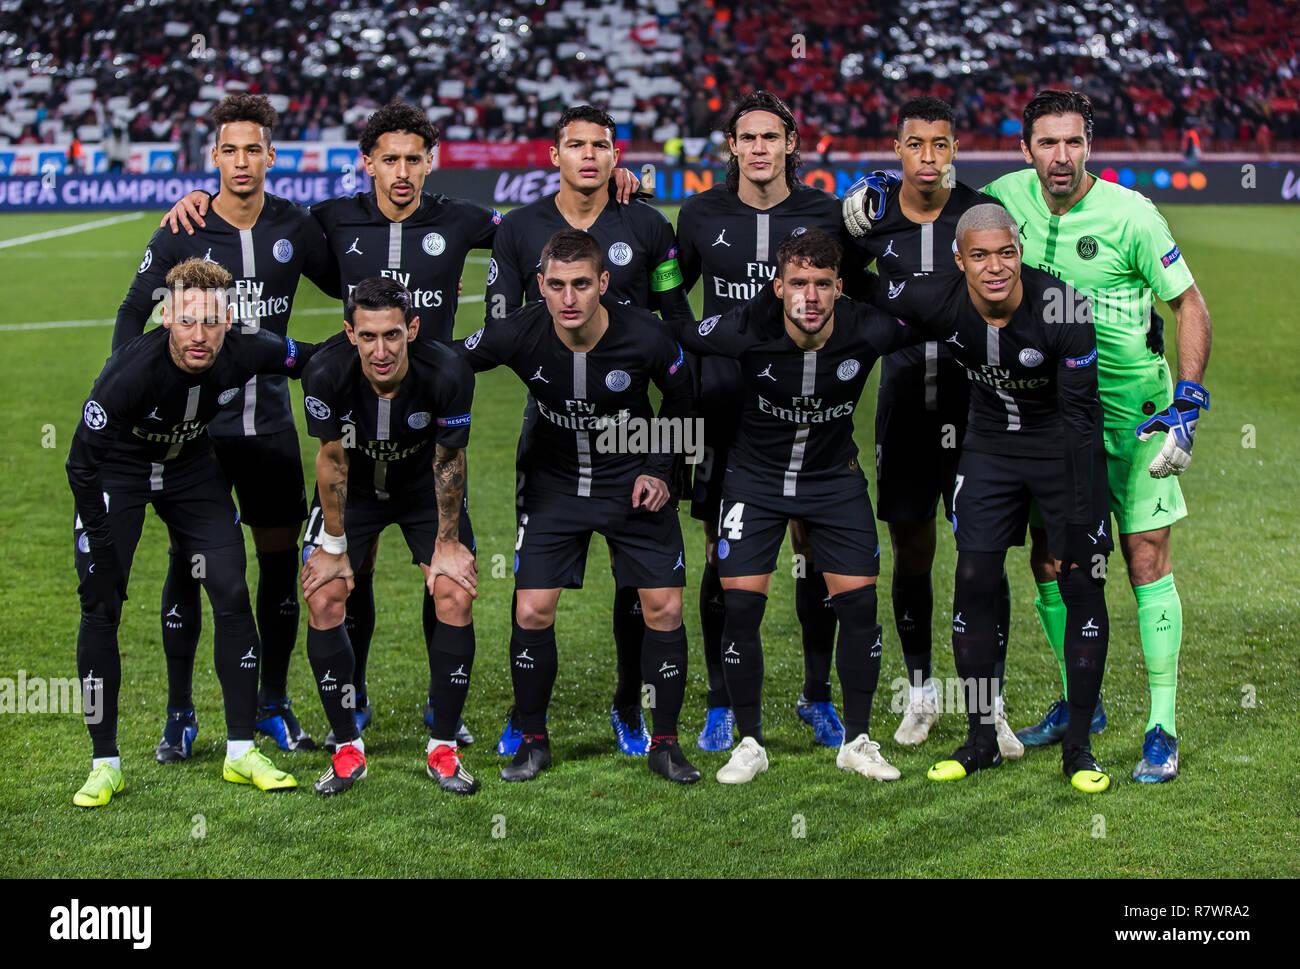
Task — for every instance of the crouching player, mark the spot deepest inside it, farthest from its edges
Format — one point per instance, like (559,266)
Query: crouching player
(392,416)
(142,440)
(1028,343)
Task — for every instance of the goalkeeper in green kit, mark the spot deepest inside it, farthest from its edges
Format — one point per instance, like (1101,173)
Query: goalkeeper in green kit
(1112,244)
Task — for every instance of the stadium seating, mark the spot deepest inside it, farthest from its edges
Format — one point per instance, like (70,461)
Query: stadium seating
(503,69)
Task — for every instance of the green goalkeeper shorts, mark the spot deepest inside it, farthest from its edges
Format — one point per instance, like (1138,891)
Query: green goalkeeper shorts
(1139,502)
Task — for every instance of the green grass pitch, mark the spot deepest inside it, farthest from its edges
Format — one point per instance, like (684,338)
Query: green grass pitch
(597,813)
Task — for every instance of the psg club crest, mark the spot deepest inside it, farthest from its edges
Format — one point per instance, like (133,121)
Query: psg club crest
(617,380)
(434,244)
(1030,357)
(1086,247)
(282,250)
(848,369)
(620,254)
(227,396)
(419,420)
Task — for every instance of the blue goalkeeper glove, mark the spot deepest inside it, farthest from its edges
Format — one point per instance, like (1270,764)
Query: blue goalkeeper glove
(864,202)
(1178,423)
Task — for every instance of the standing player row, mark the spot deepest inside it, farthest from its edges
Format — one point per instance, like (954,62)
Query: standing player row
(759,172)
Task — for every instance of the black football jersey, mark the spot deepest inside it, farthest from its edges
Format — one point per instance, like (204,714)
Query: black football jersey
(582,397)
(796,426)
(920,375)
(1033,381)
(731,247)
(266,261)
(425,252)
(145,413)
(637,241)
(389,440)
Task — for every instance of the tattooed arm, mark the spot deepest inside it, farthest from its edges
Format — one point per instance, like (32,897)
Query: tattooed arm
(329,560)
(450,557)
(449,480)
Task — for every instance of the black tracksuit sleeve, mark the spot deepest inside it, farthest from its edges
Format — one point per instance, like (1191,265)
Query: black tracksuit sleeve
(141,298)
(673,378)
(84,459)
(730,334)
(667,292)
(887,333)
(858,280)
(1081,416)
(487,348)
(113,404)
(688,257)
(264,352)
(506,292)
(319,264)
(454,420)
(923,302)
(484,233)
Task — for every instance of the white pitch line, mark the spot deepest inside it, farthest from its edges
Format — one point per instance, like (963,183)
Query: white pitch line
(69,230)
(64,324)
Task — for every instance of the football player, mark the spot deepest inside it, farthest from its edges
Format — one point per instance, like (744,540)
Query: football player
(392,414)
(1112,244)
(640,255)
(588,364)
(142,440)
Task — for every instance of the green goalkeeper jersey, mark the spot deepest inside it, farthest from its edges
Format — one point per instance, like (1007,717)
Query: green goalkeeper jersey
(1115,247)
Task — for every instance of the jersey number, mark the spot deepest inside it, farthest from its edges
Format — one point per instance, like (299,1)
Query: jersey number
(733,522)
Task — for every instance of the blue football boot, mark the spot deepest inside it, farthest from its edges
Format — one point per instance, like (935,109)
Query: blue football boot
(1051,729)
(277,721)
(179,731)
(633,739)
(827,729)
(719,727)
(1159,761)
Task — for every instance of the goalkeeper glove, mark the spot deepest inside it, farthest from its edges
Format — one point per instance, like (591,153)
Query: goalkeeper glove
(864,202)
(1178,422)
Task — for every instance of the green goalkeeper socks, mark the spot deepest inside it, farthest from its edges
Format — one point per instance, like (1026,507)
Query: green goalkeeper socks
(1160,624)
(1051,613)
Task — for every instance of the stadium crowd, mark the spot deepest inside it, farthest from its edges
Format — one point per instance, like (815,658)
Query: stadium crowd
(504,69)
